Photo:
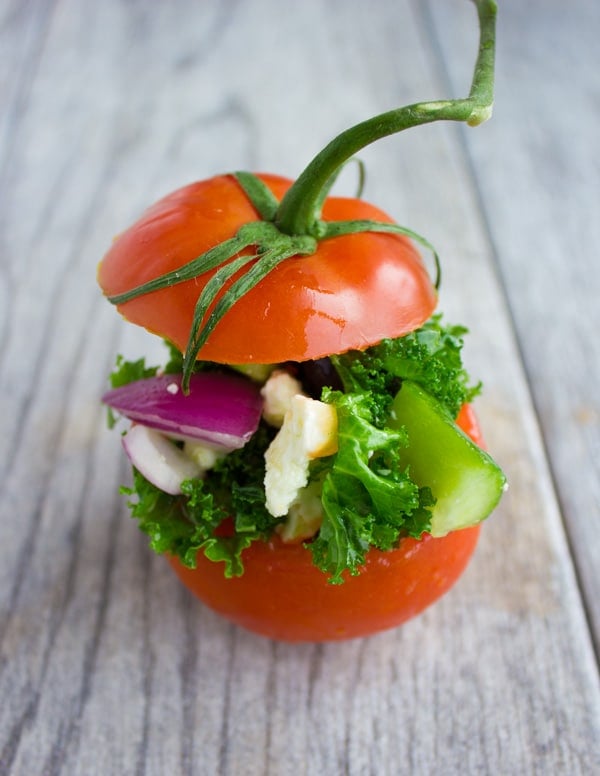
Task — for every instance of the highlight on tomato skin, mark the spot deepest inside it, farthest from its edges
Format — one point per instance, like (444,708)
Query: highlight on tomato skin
(283,596)
(306,308)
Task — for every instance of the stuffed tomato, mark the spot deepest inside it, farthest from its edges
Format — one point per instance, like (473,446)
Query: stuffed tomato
(321,467)
(307,456)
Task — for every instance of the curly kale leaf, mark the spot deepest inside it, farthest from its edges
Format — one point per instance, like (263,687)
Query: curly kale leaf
(129,371)
(368,498)
(187,524)
(176,525)
(429,356)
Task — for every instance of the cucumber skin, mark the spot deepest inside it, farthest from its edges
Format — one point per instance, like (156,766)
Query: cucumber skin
(464,479)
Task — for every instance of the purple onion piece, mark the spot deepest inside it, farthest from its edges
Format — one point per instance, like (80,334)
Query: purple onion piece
(221,410)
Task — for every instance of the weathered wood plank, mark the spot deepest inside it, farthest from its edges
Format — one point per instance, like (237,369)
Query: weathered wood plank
(539,181)
(106,665)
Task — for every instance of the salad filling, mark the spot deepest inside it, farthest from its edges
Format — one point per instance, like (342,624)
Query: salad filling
(346,453)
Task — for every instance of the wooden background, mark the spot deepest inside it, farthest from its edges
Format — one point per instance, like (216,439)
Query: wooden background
(107,666)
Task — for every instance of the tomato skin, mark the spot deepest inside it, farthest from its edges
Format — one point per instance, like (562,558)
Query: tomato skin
(283,596)
(467,420)
(354,291)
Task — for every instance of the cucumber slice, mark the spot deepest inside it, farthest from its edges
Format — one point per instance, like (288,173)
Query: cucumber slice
(465,481)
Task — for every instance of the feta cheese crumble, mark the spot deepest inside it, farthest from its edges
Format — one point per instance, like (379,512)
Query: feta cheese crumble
(309,431)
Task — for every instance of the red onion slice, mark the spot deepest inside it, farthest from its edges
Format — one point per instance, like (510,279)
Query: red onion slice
(222,410)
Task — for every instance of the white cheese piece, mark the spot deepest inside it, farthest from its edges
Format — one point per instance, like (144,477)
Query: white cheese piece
(278,392)
(204,456)
(305,515)
(309,431)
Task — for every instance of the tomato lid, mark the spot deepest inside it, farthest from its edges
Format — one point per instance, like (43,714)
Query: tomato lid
(354,291)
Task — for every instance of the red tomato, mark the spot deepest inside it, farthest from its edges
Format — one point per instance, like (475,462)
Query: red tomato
(354,291)
(467,420)
(282,595)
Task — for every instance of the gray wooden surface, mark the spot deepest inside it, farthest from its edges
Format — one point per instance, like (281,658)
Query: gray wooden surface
(107,666)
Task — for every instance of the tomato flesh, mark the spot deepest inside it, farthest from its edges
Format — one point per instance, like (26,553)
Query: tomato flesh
(282,595)
(353,292)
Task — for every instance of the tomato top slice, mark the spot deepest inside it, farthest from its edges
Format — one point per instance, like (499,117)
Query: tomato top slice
(353,292)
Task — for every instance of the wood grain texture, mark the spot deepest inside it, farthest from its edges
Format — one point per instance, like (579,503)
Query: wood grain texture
(544,143)
(107,666)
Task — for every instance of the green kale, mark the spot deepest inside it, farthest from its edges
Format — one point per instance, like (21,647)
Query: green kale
(368,497)
(238,481)
(174,526)
(184,525)
(129,371)
(362,373)
(187,524)
(174,365)
(429,356)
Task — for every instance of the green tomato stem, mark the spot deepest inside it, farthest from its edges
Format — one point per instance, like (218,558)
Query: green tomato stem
(299,210)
